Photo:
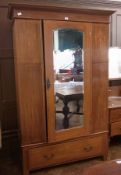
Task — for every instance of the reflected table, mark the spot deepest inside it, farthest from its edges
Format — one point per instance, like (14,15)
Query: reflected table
(67,95)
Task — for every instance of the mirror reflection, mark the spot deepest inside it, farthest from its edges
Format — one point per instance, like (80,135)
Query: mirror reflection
(68,66)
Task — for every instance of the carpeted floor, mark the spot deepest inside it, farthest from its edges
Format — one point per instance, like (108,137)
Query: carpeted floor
(11,167)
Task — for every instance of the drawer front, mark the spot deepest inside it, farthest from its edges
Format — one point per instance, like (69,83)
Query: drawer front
(116,128)
(65,152)
(115,114)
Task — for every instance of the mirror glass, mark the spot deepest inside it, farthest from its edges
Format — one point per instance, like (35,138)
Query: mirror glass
(68,68)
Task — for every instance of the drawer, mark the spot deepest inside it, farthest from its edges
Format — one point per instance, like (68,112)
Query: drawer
(115,114)
(116,128)
(65,152)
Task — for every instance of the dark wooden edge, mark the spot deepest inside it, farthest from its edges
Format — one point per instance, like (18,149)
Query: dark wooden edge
(115,82)
(60,8)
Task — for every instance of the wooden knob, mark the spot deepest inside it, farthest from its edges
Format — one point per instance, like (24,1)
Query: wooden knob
(88,148)
(48,157)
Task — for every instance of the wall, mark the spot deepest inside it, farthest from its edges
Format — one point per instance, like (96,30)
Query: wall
(7,83)
(116,29)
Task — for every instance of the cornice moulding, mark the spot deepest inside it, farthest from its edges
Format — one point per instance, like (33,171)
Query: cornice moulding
(106,4)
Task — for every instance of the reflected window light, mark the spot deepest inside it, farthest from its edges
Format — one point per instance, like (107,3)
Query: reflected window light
(114,62)
(118,161)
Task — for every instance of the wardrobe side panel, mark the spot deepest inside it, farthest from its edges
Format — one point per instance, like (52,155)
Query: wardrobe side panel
(100,98)
(29,74)
(100,42)
(100,77)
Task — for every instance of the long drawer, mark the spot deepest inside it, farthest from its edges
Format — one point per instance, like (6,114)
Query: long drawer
(66,152)
(116,128)
(115,114)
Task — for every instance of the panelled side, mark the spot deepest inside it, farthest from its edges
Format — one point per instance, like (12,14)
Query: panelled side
(29,74)
(100,78)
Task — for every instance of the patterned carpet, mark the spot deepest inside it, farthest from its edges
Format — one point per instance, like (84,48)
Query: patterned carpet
(10,167)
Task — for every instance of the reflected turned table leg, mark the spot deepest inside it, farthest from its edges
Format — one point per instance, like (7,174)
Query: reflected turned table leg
(65,112)
(66,97)
(78,105)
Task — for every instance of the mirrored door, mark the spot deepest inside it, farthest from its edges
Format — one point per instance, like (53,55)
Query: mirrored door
(67,65)
(68,68)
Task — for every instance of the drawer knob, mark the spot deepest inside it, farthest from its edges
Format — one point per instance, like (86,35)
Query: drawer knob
(48,157)
(88,148)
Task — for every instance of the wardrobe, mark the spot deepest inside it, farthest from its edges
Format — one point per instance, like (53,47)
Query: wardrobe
(61,73)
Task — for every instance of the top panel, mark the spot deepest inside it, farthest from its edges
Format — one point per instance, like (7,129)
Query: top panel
(51,12)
